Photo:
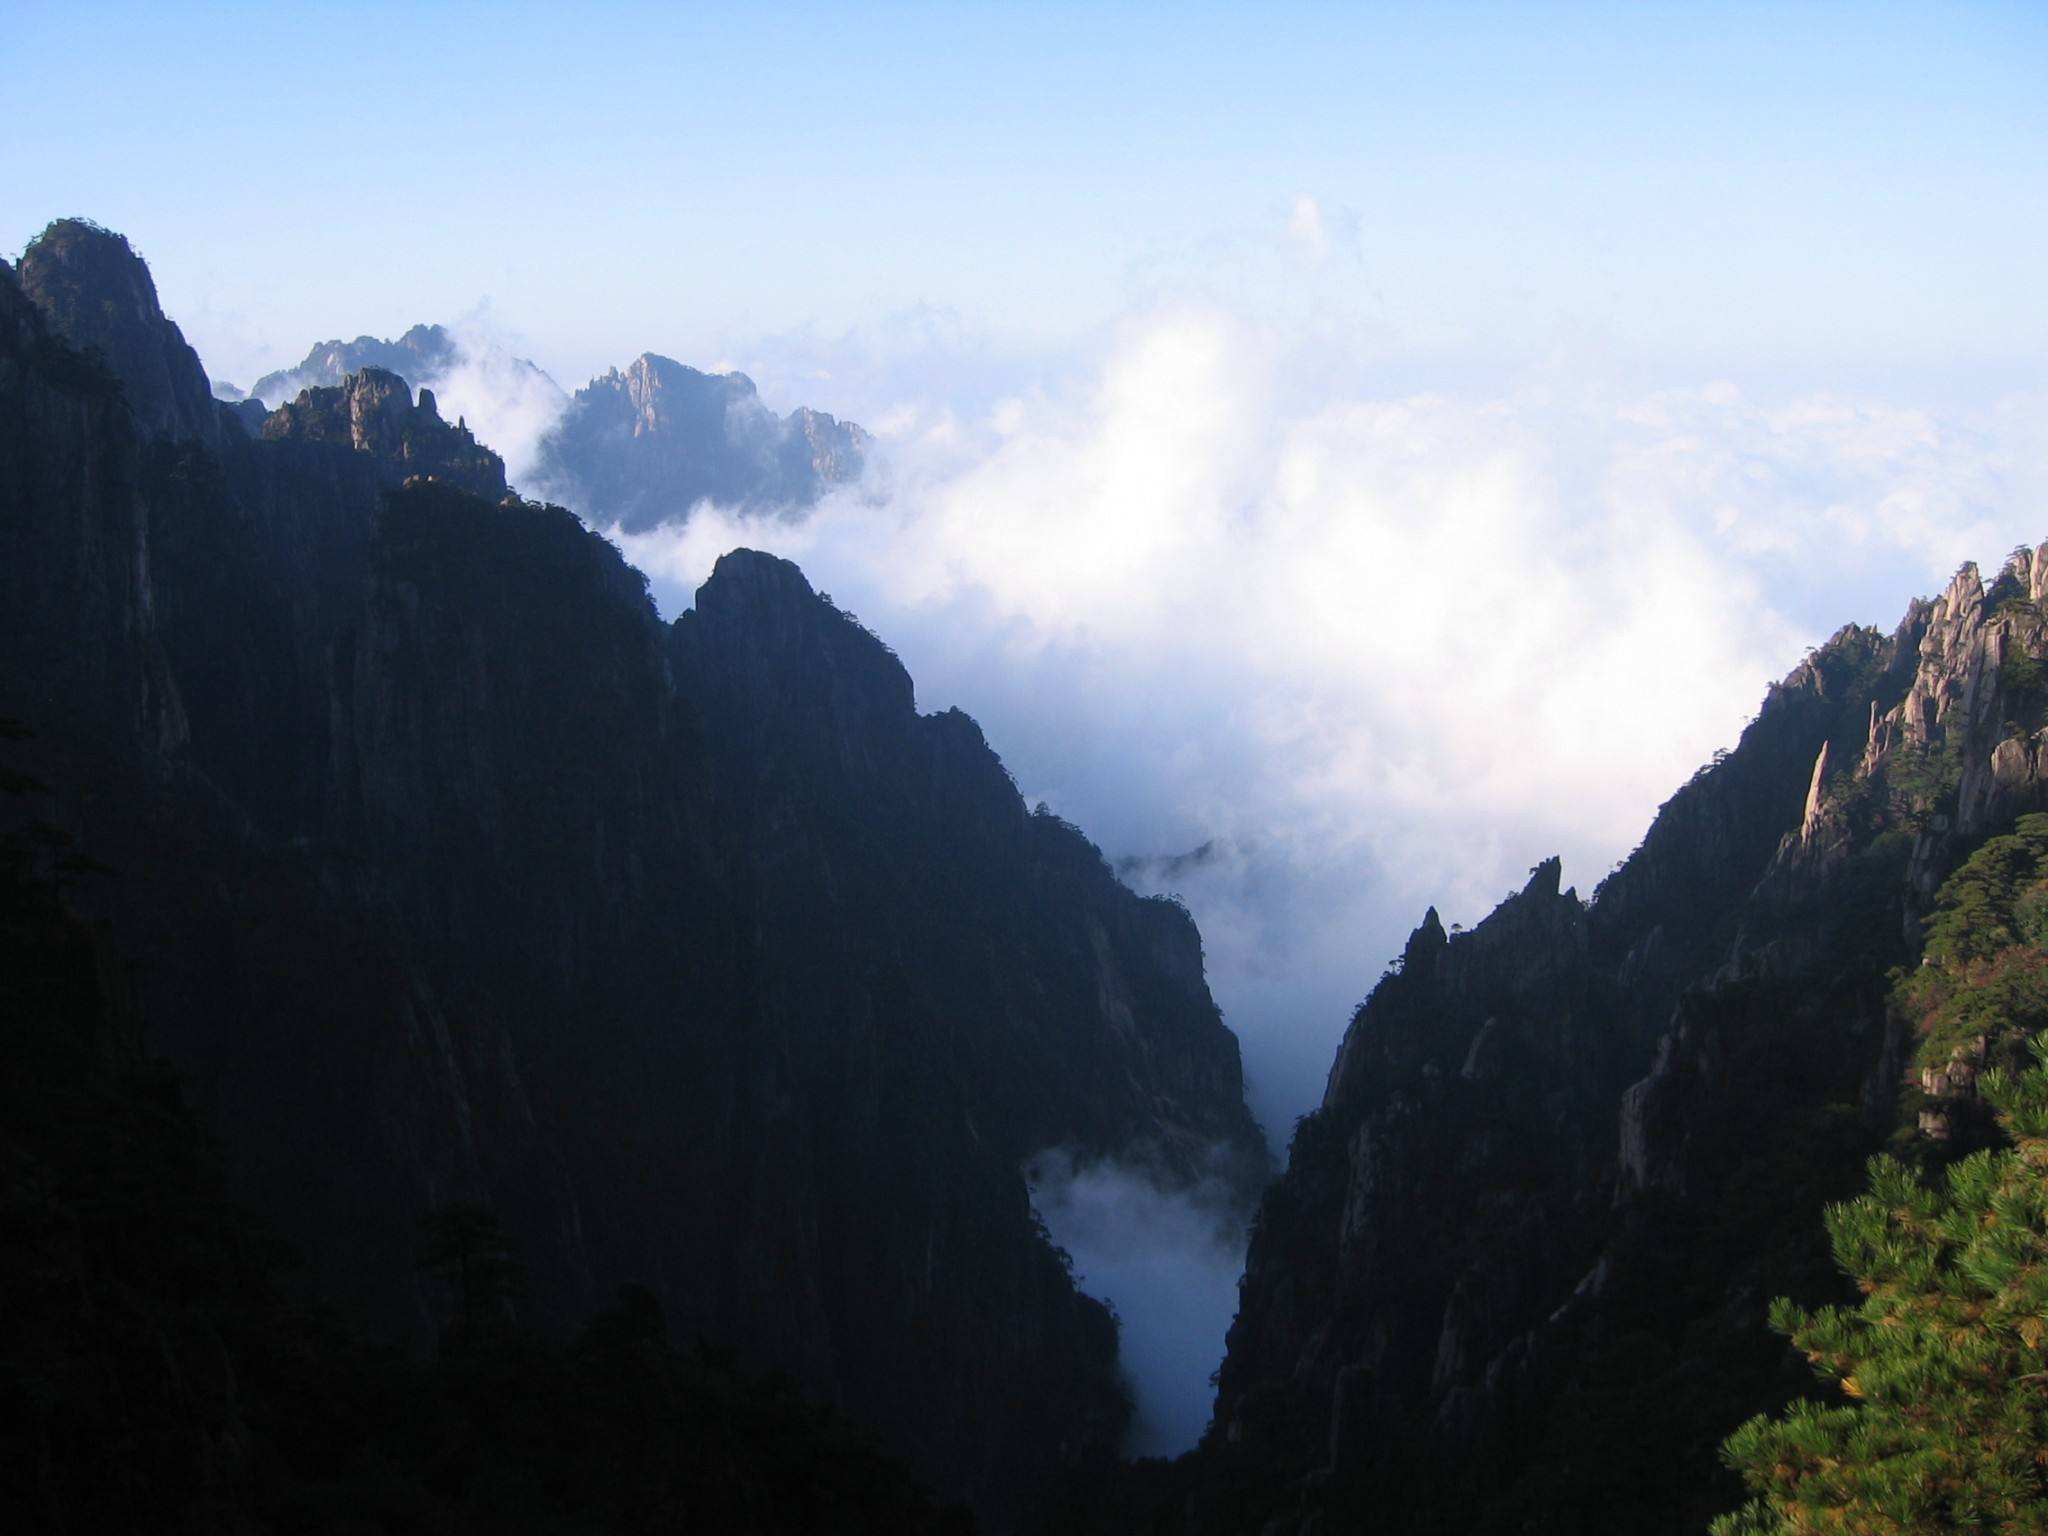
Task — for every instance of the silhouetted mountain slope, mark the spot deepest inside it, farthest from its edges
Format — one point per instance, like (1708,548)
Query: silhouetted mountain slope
(450,873)
(161,1373)
(99,296)
(1515,1275)
(642,448)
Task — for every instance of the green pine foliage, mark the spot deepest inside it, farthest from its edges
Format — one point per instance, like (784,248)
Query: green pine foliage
(1982,984)
(1939,1421)
(1936,1413)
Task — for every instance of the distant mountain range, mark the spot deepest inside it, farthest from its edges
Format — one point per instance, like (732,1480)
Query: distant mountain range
(637,448)
(423,355)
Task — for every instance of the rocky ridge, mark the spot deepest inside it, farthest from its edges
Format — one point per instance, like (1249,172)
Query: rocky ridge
(1565,1159)
(373,412)
(637,447)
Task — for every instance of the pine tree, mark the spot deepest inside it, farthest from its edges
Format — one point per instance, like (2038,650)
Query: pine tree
(466,1246)
(1939,1421)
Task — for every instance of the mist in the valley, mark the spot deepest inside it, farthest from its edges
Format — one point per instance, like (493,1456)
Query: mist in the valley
(1167,1261)
(1315,641)
(1372,653)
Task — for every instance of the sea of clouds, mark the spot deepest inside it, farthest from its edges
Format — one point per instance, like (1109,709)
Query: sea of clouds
(1380,652)
(1373,651)
(1372,636)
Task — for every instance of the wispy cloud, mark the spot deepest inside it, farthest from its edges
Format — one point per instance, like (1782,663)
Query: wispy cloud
(1305,228)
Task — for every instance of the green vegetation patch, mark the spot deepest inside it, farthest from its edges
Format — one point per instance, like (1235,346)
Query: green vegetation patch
(1937,1413)
(1984,971)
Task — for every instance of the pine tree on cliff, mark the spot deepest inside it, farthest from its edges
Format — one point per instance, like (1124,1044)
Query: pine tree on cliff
(465,1246)
(1941,1422)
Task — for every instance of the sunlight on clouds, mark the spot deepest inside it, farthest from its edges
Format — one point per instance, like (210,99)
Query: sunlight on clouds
(1392,651)
(1376,653)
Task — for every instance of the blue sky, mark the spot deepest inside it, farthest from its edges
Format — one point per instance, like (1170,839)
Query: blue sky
(1802,188)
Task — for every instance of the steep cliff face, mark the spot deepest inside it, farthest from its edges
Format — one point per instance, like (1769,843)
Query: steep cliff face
(642,447)
(1081,1009)
(98,295)
(1966,737)
(1514,1276)
(695,950)
(179,1385)
(76,592)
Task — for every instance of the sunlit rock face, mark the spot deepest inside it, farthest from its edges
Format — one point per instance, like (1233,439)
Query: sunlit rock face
(448,871)
(1565,1159)
(373,412)
(644,446)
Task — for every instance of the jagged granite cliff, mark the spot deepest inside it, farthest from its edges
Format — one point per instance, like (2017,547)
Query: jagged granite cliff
(373,412)
(640,448)
(1514,1277)
(447,871)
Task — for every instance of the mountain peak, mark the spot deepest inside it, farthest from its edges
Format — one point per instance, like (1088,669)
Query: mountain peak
(1545,878)
(645,445)
(765,633)
(96,293)
(667,393)
(759,570)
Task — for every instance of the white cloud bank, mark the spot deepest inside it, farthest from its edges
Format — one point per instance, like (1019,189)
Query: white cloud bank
(1379,650)
(1244,584)
(1385,652)
(508,403)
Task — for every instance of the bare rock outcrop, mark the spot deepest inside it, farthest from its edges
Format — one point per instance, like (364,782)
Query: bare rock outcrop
(374,413)
(1564,1159)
